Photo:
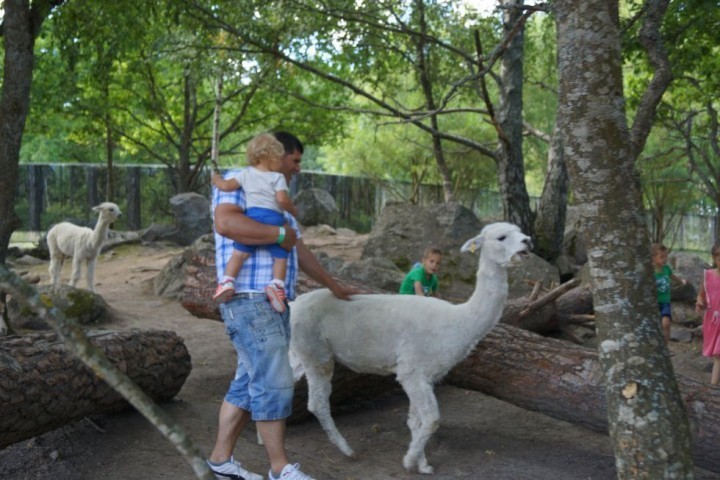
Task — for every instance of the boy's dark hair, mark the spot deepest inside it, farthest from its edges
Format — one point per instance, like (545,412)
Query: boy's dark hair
(431,251)
(289,141)
(657,248)
(715,249)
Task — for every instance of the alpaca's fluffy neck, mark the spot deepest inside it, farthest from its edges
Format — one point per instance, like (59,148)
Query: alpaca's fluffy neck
(484,308)
(100,233)
(491,284)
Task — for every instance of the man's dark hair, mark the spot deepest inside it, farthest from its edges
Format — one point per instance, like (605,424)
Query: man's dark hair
(289,141)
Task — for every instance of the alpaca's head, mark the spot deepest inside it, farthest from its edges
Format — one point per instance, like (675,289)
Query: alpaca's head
(108,211)
(500,242)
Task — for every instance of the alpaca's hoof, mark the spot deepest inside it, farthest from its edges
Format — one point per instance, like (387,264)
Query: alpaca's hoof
(426,469)
(349,452)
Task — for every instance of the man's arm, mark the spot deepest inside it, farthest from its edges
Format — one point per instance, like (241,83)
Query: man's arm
(310,265)
(231,222)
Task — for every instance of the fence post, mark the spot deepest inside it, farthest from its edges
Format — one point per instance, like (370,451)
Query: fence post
(92,189)
(36,191)
(132,188)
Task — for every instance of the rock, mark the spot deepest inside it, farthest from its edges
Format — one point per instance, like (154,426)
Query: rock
(679,334)
(170,281)
(523,275)
(403,232)
(315,207)
(82,306)
(691,268)
(321,231)
(378,272)
(331,264)
(158,232)
(28,260)
(192,217)
(457,222)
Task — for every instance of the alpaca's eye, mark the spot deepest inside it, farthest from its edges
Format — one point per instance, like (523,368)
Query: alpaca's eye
(502,239)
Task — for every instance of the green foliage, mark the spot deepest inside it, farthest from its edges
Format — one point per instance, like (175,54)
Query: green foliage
(139,79)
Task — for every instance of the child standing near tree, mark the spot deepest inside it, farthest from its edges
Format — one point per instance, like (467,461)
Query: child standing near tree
(664,277)
(708,301)
(266,197)
(422,279)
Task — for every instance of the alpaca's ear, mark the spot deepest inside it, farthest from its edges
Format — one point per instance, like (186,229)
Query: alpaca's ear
(97,208)
(472,245)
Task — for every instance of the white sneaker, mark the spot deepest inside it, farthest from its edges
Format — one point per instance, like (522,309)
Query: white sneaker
(292,472)
(232,470)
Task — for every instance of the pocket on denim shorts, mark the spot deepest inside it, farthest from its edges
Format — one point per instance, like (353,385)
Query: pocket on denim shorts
(265,324)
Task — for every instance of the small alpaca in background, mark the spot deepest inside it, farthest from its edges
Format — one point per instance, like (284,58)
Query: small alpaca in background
(418,339)
(68,240)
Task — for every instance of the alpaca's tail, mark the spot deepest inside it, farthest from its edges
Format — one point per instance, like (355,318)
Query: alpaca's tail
(298,369)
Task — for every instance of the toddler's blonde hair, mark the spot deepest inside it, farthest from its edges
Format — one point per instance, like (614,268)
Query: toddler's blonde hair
(265,148)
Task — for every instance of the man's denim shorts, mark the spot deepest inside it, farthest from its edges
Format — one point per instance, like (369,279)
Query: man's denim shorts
(263,383)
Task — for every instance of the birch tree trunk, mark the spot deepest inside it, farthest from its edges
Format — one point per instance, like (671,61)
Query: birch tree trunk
(647,422)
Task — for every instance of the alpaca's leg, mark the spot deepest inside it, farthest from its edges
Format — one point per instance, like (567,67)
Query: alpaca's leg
(424,417)
(413,423)
(319,379)
(56,263)
(90,274)
(75,275)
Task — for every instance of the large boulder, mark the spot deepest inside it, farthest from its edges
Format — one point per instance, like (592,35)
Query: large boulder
(170,281)
(192,217)
(401,234)
(403,231)
(315,207)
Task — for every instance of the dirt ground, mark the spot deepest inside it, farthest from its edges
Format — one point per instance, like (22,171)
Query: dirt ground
(479,437)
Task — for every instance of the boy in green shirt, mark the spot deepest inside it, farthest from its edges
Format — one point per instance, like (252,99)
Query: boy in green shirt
(422,279)
(663,279)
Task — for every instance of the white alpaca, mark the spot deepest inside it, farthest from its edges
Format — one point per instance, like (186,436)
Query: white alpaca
(419,339)
(81,243)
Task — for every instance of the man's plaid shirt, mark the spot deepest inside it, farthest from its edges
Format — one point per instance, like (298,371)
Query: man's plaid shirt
(256,272)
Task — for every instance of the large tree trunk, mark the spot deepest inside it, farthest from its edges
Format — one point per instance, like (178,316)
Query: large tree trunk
(647,419)
(43,386)
(511,169)
(552,207)
(14,106)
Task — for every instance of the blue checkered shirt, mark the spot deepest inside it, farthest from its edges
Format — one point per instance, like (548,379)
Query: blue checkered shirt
(256,272)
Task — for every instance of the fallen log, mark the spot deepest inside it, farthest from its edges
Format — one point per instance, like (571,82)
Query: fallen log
(43,386)
(535,312)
